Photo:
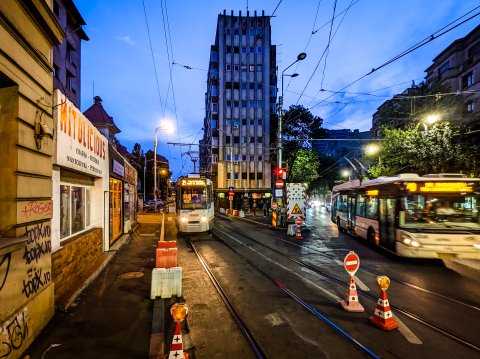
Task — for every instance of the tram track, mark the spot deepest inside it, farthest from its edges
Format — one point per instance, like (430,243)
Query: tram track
(292,295)
(407,313)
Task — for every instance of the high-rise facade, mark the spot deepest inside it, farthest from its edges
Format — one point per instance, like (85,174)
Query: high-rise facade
(240,105)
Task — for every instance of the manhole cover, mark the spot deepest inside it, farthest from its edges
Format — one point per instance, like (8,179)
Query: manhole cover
(131,275)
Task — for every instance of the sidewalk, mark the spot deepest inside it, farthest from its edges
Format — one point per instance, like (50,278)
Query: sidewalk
(112,317)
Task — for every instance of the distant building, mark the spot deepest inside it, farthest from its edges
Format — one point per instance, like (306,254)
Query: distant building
(240,101)
(340,143)
(67,55)
(459,67)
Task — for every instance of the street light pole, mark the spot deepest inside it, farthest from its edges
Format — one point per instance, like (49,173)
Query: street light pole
(300,57)
(155,171)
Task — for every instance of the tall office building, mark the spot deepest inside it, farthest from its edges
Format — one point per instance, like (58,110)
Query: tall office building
(240,105)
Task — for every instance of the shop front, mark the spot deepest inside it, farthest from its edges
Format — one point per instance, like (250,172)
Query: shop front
(130,197)
(80,180)
(117,174)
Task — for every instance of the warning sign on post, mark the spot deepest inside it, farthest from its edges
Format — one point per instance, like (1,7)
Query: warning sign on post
(296,198)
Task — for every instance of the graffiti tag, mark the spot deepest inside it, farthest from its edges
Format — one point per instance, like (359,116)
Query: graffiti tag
(4,268)
(14,333)
(36,280)
(35,248)
(37,208)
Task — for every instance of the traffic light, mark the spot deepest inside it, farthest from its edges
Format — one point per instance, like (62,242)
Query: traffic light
(281,173)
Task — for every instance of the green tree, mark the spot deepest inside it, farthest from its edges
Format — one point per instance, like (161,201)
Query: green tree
(305,166)
(421,150)
(299,123)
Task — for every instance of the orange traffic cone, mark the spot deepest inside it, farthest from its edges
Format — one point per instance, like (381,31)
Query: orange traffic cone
(351,303)
(383,317)
(176,349)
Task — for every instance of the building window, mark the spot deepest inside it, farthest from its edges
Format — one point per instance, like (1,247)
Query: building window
(214,123)
(228,175)
(236,123)
(75,209)
(214,158)
(467,80)
(227,139)
(244,103)
(252,50)
(56,72)
(244,157)
(70,53)
(228,67)
(236,175)
(235,68)
(252,157)
(244,122)
(215,107)
(259,139)
(259,49)
(228,31)
(443,68)
(228,122)
(259,68)
(251,68)
(252,103)
(252,139)
(229,157)
(71,82)
(235,103)
(260,122)
(244,68)
(260,104)
(244,50)
(469,106)
(260,157)
(252,122)
(235,158)
(236,139)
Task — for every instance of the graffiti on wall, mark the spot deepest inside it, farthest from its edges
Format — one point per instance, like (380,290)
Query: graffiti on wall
(34,210)
(13,333)
(4,268)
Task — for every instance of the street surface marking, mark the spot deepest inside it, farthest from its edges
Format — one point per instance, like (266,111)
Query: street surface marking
(361,285)
(328,293)
(274,319)
(406,332)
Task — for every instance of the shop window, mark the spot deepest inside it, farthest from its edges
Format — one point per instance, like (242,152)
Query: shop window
(75,209)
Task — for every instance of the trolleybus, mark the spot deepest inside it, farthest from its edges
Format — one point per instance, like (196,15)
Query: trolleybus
(194,201)
(430,216)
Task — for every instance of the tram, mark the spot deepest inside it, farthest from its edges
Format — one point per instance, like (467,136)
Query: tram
(430,216)
(194,202)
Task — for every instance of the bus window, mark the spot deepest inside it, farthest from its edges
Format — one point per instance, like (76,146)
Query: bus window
(360,210)
(372,207)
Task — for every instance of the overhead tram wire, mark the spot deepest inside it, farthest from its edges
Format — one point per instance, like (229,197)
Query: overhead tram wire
(330,41)
(403,53)
(315,31)
(406,52)
(325,52)
(153,58)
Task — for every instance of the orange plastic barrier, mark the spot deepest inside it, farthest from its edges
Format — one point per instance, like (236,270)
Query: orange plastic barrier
(167,244)
(166,258)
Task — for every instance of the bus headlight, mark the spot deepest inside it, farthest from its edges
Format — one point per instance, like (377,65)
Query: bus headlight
(184,219)
(476,246)
(204,218)
(409,240)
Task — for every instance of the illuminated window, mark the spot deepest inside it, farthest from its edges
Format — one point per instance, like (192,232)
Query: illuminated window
(75,209)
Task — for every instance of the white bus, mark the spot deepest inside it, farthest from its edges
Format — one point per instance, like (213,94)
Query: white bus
(194,201)
(433,216)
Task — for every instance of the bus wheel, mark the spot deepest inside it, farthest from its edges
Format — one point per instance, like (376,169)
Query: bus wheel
(338,225)
(371,236)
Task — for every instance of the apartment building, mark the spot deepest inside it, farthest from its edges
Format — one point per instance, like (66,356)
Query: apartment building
(240,104)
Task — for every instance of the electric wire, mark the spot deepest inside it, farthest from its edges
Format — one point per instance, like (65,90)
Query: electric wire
(153,58)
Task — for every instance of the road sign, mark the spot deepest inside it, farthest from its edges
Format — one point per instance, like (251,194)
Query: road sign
(230,189)
(230,197)
(274,205)
(351,263)
(298,221)
(279,184)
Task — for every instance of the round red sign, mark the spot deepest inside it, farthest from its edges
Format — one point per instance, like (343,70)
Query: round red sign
(298,221)
(351,263)
(279,183)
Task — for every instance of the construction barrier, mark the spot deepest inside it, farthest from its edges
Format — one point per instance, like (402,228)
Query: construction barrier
(383,317)
(166,258)
(274,219)
(166,282)
(178,312)
(351,303)
(167,244)
(298,234)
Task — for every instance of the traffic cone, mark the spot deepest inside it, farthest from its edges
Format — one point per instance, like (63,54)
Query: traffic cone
(383,317)
(176,349)
(351,303)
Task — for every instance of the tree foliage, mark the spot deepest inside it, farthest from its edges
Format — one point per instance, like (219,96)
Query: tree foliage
(305,166)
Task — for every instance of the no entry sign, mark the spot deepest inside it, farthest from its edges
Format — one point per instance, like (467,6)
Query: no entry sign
(351,263)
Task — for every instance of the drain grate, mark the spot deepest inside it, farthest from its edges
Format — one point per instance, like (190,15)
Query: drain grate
(131,275)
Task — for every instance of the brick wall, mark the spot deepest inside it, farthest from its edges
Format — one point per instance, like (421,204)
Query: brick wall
(75,262)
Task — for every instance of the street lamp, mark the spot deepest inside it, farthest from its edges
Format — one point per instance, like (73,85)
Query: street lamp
(160,128)
(300,57)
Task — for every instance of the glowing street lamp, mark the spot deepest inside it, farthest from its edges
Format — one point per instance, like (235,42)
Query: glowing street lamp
(372,149)
(432,118)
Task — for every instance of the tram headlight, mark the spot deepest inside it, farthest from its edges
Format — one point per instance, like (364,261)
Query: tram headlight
(204,218)
(409,240)
(476,246)
(184,220)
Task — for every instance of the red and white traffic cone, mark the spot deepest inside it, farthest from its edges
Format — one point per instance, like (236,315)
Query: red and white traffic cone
(176,349)
(383,317)
(298,223)
(351,303)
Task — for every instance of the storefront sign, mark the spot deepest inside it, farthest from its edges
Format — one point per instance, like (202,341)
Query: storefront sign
(80,146)
(118,168)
